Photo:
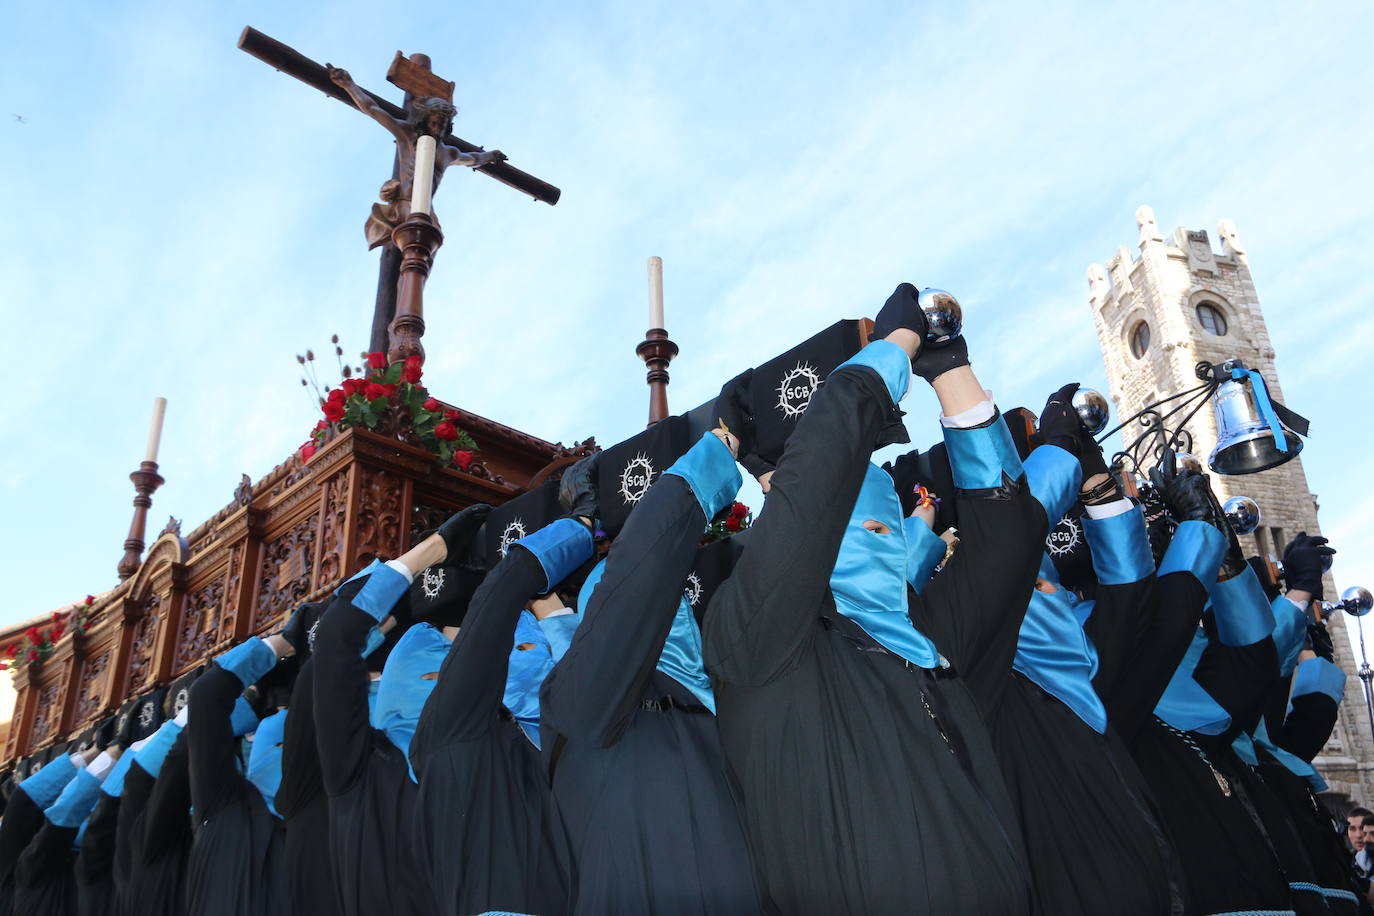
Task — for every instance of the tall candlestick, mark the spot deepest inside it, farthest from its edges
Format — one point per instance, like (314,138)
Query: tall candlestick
(655,292)
(422,188)
(155,429)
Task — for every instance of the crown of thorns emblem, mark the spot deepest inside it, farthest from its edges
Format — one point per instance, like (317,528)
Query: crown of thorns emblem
(693,589)
(433,582)
(636,478)
(514,532)
(1063,538)
(180,702)
(796,388)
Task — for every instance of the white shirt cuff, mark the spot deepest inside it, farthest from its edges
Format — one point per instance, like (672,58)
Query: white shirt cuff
(1110,510)
(402,569)
(184,716)
(138,745)
(1300,605)
(561,612)
(101,765)
(77,761)
(976,415)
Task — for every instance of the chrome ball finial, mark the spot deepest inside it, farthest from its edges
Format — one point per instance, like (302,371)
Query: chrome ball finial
(1357,601)
(1093,410)
(1243,513)
(944,316)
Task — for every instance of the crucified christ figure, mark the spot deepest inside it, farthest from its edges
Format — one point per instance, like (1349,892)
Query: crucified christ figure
(427,115)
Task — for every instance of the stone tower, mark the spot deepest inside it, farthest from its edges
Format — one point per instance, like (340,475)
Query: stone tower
(1159,311)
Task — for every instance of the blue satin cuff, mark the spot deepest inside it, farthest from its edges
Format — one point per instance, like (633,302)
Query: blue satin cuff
(151,755)
(561,547)
(889,361)
(76,802)
(979,457)
(249,660)
(1054,477)
(375,638)
(1120,546)
(1244,746)
(44,786)
(384,587)
(1317,675)
(114,781)
(243,720)
(1197,548)
(710,470)
(924,551)
(559,632)
(1290,632)
(1242,612)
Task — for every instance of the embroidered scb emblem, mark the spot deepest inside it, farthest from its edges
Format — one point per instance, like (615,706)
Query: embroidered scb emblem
(433,581)
(693,589)
(179,703)
(636,478)
(796,388)
(514,532)
(145,715)
(1064,538)
(310,635)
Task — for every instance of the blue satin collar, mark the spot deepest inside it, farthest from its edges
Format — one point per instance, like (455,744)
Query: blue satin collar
(1185,704)
(264,762)
(680,657)
(869,581)
(527,670)
(1054,652)
(404,689)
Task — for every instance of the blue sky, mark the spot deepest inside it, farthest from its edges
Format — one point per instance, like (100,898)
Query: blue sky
(182,220)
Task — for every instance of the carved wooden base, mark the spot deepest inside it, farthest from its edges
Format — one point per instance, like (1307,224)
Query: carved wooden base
(146,480)
(417,238)
(657,351)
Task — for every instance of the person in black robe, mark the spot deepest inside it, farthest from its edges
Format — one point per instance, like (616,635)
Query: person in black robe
(363,743)
(44,883)
(628,731)
(153,833)
(866,773)
(486,828)
(94,869)
(24,818)
(236,864)
(304,806)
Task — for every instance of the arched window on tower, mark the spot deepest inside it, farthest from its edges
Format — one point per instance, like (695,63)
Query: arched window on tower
(1140,340)
(1211,318)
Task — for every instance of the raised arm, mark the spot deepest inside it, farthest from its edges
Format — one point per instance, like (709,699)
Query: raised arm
(300,758)
(467,698)
(215,772)
(341,78)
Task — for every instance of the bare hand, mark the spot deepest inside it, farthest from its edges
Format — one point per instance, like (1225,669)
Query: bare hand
(925,514)
(338,76)
(280,645)
(729,439)
(488,158)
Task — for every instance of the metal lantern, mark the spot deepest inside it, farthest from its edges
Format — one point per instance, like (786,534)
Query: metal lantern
(944,316)
(1243,513)
(1092,409)
(1245,441)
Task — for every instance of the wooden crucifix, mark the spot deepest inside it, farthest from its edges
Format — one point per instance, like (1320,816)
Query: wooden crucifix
(408,239)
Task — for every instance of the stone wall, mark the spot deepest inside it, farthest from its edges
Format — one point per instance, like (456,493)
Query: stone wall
(1162,284)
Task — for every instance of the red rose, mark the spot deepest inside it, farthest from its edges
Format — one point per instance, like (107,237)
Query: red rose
(4,667)
(389,390)
(432,405)
(90,599)
(376,360)
(33,634)
(446,431)
(739,510)
(373,391)
(733,523)
(352,386)
(307,451)
(463,458)
(336,396)
(33,655)
(57,633)
(450,415)
(333,411)
(12,650)
(413,370)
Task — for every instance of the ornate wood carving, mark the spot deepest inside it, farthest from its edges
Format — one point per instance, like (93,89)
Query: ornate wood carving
(199,623)
(46,714)
(232,585)
(143,643)
(243,493)
(287,562)
(333,526)
(90,696)
(380,516)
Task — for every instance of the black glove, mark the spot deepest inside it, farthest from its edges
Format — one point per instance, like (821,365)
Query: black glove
(301,625)
(1189,498)
(906,477)
(902,310)
(1304,561)
(1059,423)
(577,490)
(459,530)
(735,409)
(932,362)
(1319,641)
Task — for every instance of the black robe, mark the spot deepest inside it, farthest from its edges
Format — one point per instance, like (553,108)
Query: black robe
(486,829)
(94,870)
(21,823)
(43,884)
(634,757)
(304,807)
(236,864)
(371,795)
(153,840)
(870,785)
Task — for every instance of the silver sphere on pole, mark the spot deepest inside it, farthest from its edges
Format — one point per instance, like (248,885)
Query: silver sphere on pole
(1243,513)
(944,316)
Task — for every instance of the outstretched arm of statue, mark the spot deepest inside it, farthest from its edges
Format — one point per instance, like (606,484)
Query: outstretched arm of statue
(340,77)
(473,160)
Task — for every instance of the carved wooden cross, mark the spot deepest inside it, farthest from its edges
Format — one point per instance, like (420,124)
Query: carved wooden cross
(413,76)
